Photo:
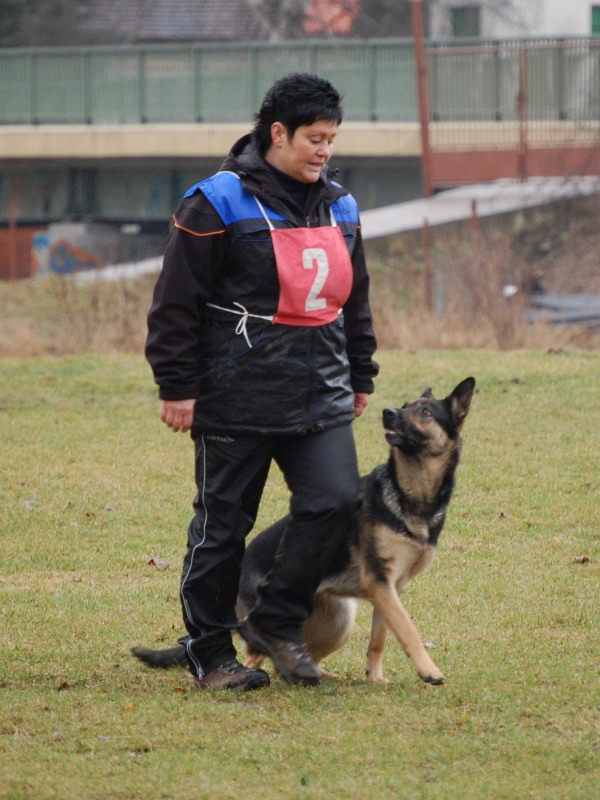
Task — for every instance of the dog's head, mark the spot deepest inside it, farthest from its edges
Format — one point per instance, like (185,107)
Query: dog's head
(428,426)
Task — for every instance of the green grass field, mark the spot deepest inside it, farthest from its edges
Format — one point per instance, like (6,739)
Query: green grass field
(93,487)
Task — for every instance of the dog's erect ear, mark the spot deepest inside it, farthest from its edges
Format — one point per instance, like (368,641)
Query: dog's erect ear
(427,393)
(460,400)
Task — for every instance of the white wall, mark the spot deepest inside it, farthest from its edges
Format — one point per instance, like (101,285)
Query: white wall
(507,18)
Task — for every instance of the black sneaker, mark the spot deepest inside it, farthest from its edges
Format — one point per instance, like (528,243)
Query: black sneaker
(292,660)
(233,675)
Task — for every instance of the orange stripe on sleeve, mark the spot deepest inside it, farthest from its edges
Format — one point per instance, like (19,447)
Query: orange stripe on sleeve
(194,233)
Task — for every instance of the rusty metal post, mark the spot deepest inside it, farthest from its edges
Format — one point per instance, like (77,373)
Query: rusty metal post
(12,242)
(422,93)
(474,216)
(427,268)
(522,111)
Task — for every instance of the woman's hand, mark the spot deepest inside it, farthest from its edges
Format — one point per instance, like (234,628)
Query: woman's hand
(361,400)
(178,414)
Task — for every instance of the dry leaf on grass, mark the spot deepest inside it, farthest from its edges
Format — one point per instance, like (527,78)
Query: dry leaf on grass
(157,562)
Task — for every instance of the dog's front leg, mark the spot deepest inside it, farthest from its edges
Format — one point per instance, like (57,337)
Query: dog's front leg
(376,648)
(385,599)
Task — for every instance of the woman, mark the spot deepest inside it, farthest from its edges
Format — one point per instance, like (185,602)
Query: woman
(261,342)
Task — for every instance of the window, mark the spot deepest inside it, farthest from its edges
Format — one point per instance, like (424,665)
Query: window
(466,21)
(595,20)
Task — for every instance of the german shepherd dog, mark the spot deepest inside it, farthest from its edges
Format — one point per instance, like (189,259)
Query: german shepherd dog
(402,513)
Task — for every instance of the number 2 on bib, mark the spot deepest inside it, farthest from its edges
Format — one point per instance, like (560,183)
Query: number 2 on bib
(315,275)
(310,257)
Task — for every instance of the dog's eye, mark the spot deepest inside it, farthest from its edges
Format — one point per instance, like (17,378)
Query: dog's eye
(425,412)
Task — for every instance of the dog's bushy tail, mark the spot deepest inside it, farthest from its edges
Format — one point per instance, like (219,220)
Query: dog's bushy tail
(161,659)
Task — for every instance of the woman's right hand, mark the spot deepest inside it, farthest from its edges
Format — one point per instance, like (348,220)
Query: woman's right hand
(178,414)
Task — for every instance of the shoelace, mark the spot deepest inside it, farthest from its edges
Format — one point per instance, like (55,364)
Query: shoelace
(231,667)
(300,650)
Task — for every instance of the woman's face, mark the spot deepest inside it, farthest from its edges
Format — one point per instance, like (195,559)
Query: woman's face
(304,155)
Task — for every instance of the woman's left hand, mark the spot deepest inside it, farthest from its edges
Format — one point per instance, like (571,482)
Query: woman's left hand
(361,400)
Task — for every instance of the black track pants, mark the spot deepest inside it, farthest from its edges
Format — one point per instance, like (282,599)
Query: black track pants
(321,472)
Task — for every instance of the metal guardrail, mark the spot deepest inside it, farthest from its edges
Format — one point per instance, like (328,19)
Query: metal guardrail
(225,82)
(199,83)
(558,80)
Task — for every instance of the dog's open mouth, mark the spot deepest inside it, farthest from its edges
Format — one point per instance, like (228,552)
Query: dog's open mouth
(393,436)
(391,426)
(398,431)
(389,418)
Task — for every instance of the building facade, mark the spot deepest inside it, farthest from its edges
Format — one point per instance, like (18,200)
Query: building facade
(499,19)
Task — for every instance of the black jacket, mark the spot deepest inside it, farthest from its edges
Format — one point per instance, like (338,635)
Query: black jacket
(292,379)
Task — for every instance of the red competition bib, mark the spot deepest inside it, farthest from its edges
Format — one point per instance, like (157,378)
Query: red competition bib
(315,273)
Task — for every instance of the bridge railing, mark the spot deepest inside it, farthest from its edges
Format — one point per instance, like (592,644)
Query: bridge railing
(225,82)
(559,80)
(201,83)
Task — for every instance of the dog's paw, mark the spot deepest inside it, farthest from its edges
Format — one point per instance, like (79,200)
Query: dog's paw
(375,677)
(331,676)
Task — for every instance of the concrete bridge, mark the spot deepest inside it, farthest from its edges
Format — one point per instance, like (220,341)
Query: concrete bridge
(116,135)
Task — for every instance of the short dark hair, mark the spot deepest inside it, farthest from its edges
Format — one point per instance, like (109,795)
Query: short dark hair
(295,100)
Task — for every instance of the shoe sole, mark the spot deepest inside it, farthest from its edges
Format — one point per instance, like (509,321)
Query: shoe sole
(248,686)
(259,644)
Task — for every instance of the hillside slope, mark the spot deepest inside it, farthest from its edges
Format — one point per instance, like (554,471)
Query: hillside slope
(562,249)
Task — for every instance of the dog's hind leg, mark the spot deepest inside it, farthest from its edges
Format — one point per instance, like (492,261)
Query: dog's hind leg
(375,649)
(254,659)
(385,599)
(326,630)
(329,626)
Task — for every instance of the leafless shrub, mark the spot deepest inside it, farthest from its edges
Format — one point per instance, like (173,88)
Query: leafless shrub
(99,316)
(450,295)
(18,339)
(466,293)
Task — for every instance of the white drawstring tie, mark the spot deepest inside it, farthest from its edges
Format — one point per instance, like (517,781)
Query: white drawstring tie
(244,314)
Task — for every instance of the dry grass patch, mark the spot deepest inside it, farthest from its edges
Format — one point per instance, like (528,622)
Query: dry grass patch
(450,296)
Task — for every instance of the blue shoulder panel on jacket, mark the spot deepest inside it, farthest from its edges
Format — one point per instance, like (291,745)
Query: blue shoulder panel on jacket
(224,191)
(345,209)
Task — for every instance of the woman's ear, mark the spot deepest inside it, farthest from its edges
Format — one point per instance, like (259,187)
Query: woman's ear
(278,133)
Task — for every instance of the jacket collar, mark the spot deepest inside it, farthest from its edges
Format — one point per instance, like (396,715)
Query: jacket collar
(245,160)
